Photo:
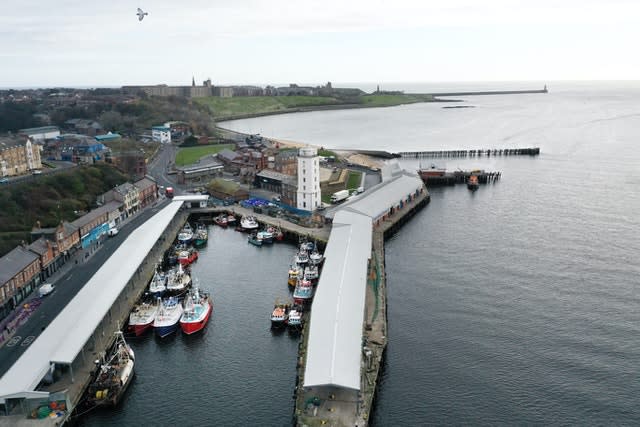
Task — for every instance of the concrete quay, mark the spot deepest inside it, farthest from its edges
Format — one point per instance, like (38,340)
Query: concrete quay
(336,406)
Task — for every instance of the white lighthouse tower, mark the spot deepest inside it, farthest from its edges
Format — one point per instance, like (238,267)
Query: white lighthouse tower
(308,179)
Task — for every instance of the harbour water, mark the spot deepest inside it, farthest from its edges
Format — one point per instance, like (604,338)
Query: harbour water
(514,304)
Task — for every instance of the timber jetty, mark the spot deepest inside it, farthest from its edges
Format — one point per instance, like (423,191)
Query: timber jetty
(470,153)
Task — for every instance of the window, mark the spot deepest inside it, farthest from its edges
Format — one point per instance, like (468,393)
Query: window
(304,204)
(304,179)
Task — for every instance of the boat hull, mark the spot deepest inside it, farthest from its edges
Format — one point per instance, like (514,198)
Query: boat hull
(165,330)
(141,328)
(191,327)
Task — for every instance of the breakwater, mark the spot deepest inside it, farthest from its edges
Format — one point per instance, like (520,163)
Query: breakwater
(492,92)
(470,153)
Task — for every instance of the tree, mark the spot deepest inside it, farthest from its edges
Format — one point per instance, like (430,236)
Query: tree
(111,120)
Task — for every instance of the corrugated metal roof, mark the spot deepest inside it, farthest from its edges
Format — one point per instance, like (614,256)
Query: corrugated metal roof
(67,334)
(380,198)
(335,332)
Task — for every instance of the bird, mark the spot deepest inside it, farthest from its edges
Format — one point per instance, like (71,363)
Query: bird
(141,14)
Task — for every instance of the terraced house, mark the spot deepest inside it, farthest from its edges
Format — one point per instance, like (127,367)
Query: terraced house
(18,155)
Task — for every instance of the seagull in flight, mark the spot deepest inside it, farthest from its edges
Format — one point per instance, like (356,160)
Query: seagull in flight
(141,14)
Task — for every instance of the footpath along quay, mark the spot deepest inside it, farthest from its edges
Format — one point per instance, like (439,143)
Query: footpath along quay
(339,390)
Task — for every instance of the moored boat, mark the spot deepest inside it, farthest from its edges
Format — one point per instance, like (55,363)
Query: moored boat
(280,314)
(142,316)
(301,258)
(316,257)
(295,317)
(186,234)
(168,317)
(187,256)
(201,235)
(249,223)
(158,284)
(265,235)
(295,272)
(253,239)
(178,281)
(231,219)
(303,292)
(222,220)
(197,311)
(114,375)
(311,272)
(276,232)
(472,183)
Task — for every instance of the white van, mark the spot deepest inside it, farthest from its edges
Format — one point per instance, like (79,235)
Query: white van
(113,231)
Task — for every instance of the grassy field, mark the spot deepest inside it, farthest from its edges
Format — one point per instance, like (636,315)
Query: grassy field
(189,155)
(355,178)
(222,108)
(229,107)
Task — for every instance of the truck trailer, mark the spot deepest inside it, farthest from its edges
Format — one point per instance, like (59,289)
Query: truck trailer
(339,196)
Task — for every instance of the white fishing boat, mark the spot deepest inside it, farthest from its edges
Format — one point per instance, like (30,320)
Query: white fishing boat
(178,280)
(158,284)
(249,223)
(311,272)
(186,234)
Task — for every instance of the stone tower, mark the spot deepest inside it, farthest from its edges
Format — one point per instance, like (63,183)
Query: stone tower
(308,179)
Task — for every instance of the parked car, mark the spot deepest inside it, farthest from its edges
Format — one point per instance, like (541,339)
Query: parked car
(45,289)
(113,231)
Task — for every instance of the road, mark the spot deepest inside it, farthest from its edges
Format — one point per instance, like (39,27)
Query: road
(159,166)
(68,281)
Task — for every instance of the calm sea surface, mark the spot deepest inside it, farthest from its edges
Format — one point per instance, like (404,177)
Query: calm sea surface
(516,304)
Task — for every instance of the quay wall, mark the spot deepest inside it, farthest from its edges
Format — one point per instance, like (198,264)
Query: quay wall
(118,315)
(336,407)
(532,151)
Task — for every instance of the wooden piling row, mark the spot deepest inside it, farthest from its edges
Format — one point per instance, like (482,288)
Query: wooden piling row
(470,153)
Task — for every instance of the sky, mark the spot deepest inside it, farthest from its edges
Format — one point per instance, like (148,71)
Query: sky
(102,44)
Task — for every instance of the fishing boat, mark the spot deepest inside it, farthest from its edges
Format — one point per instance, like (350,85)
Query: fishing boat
(187,256)
(301,258)
(253,239)
(276,232)
(158,284)
(201,235)
(280,314)
(178,281)
(316,257)
(197,310)
(142,316)
(295,317)
(231,219)
(311,272)
(168,317)
(307,246)
(114,374)
(265,235)
(472,183)
(186,234)
(295,272)
(222,220)
(303,292)
(249,223)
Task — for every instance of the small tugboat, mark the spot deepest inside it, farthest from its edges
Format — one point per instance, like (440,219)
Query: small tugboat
(279,315)
(178,281)
(114,375)
(249,223)
(187,256)
(186,234)
(222,220)
(142,317)
(201,235)
(253,239)
(197,310)
(168,317)
(472,183)
(158,284)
